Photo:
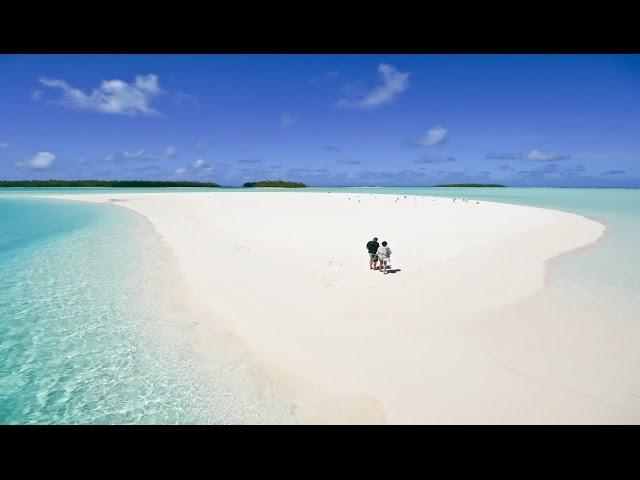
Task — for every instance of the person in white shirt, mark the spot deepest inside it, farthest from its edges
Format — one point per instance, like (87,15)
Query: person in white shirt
(384,254)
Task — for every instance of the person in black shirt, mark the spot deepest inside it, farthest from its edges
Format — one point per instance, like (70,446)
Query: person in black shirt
(372,248)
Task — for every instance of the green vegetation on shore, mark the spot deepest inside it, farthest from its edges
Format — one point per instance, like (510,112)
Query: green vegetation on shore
(274,183)
(102,183)
(470,185)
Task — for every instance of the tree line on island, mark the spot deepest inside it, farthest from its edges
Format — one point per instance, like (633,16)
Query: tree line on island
(274,183)
(139,183)
(159,183)
(103,183)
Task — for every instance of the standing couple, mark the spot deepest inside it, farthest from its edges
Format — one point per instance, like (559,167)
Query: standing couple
(377,252)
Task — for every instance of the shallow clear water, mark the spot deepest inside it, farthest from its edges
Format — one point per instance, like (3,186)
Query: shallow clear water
(83,338)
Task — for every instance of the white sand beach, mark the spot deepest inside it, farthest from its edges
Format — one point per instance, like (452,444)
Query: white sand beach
(453,334)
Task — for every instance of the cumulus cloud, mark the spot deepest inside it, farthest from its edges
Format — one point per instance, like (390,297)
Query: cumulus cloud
(167,153)
(198,167)
(393,82)
(138,154)
(434,136)
(287,120)
(427,159)
(544,156)
(112,96)
(39,161)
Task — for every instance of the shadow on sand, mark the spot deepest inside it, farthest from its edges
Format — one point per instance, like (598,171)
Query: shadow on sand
(393,270)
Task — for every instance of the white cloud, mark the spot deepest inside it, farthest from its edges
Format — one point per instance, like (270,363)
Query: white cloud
(393,83)
(544,156)
(36,94)
(168,152)
(182,99)
(109,157)
(200,165)
(146,83)
(4,144)
(434,136)
(112,96)
(39,161)
(137,154)
(287,119)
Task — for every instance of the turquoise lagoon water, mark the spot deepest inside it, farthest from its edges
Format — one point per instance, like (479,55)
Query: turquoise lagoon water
(82,337)
(83,340)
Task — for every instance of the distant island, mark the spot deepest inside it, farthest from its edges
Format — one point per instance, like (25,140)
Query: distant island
(470,185)
(274,183)
(102,183)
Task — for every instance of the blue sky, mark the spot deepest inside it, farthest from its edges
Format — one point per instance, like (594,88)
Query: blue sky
(522,120)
